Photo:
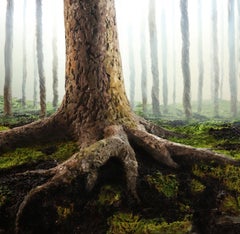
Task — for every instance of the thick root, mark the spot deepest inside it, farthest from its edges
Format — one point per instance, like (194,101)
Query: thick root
(86,162)
(166,151)
(39,131)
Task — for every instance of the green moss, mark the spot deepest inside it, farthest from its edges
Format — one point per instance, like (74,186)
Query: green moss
(126,223)
(4,194)
(197,187)
(20,156)
(165,184)
(230,205)
(65,150)
(109,195)
(64,212)
(2,128)
(229,175)
(27,155)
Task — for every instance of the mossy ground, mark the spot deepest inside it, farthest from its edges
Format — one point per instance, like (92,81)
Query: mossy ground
(191,199)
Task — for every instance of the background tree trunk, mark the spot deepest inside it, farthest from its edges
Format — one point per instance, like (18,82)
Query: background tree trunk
(154,57)
(164,61)
(185,59)
(232,57)
(24,78)
(8,58)
(200,57)
(143,65)
(131,63)
(215,58)
(41,72)
(55,64)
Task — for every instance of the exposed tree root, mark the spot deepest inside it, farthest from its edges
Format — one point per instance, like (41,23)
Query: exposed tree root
(36,132)
(88,160)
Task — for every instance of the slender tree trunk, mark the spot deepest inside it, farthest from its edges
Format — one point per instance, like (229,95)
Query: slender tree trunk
(41,72)
(24,78)
(35,75)
(154,57)
(164,62)
(185,59)
(174,54)
(8,58)
(232,58)
(132,74)
(55,64)
(215,58)
(222,46)
(143,66)
(200,58)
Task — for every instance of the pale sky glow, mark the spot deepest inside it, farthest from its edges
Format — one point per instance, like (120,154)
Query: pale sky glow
(130,15)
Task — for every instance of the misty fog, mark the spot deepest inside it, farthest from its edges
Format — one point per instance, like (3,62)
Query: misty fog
(133,27)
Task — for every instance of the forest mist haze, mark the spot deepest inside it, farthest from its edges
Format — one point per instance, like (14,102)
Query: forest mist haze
(132,15)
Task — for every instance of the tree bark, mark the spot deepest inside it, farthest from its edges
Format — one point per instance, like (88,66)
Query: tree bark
(8,58)
(232,57)
(96,113)
(154,58)
(185,59)
(24,77)
(40,58)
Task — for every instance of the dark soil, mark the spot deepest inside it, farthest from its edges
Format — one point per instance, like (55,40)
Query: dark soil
(89,216)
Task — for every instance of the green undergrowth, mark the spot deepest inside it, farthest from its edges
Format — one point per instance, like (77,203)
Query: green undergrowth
(229,177)
(199,134)
(58,151)
(128,223)
(165,184)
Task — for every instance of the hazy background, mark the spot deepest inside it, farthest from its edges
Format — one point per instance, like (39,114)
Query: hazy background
(130,15)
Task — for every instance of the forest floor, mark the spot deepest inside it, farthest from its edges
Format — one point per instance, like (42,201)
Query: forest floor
(197,198)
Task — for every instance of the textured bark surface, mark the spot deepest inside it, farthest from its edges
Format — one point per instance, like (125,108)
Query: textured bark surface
(154,57)
(41,72)
(8,58)
(185,59)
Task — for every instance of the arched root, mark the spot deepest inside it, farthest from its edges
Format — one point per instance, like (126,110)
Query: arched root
(87,162)
(166,151)
(38,131)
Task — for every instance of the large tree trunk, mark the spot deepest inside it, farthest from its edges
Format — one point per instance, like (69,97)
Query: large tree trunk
(41,72)
(96,113)
(8,58)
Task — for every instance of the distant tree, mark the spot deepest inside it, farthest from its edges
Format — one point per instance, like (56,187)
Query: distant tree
(164,61)
(8,58)
(222,46)
(35,75)
(41,72)
(173,53)
(131,66)
(24,74)
(154,57)
(185,59)
(200,57)
(55,64)
(215,58)
(143,65)
(232,57)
